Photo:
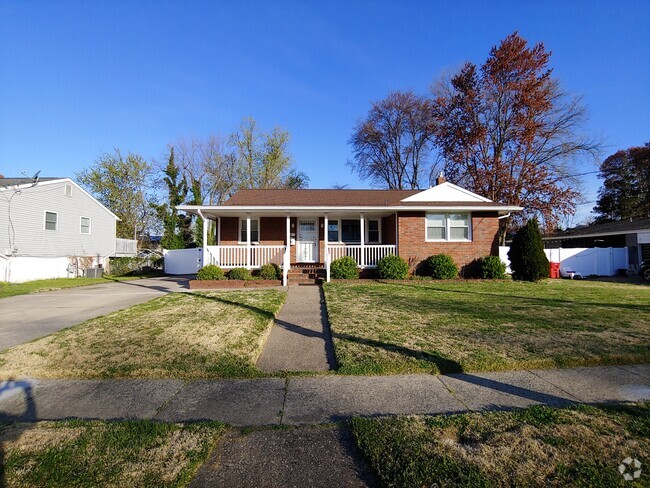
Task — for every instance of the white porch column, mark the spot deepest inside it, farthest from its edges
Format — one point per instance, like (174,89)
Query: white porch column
(362,221)
(326,259)
(219,231)
(204,249)
(248,241)
(287,253)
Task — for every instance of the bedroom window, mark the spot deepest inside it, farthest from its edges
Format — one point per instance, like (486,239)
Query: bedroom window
(448,227)
(51,219)
(255,230)
(85,225)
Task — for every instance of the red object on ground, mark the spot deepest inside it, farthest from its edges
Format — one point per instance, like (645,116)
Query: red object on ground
(555,270)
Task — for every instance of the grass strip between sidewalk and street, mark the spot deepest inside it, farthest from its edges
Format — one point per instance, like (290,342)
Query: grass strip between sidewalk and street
(96,453)
(179,335)
(540,446)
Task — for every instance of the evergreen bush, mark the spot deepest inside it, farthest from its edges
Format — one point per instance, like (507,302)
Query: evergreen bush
(442,267)
(527,259)
(271,271)
(491,268)
(210,272)
(344,268)
(239,274)
(392,267)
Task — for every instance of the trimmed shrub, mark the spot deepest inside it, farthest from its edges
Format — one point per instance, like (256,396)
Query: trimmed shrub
(491,268)
(210,272)
(527,259)
(344,268)
(239,274)
(126,266)
(392,267)
(442,267)
(271,271)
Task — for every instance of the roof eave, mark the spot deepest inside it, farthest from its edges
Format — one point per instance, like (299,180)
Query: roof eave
(194,209)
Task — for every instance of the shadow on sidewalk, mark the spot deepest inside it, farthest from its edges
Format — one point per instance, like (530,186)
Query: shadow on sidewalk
(11,433)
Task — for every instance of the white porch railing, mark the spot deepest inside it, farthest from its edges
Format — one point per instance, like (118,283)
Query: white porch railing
(372,253)
(238,256)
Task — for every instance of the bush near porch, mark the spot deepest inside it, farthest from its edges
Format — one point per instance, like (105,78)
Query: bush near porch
(453,326)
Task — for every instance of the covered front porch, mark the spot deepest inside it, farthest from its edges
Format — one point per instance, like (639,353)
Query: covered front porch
(252,240)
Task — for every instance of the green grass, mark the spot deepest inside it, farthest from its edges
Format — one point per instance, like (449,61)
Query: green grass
(540,446)
(453,326)
(14,289)
(95,453)
(179,335)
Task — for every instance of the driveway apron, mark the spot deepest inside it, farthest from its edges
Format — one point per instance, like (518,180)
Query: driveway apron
(300,339)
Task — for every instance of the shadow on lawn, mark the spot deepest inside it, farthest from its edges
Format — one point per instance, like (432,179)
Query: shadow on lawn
(29,415)
(246,306)
(556,302)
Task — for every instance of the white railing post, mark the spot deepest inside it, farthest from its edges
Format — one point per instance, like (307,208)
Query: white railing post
(204,245)
(287,253)
(362,222)
(219,231)
(325,236)
(248,241)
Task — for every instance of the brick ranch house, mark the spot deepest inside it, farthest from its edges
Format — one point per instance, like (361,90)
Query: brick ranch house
(308,229)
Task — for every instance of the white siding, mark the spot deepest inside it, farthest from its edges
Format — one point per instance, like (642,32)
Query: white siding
(28,215)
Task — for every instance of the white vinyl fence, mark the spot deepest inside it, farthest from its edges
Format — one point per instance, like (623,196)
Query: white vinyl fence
(182,261)
(605,261)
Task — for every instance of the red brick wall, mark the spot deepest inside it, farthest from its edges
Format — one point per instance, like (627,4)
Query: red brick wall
(414,248)
(388,229)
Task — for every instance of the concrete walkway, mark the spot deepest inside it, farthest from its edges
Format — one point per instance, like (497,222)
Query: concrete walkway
(27,317)
(300,338)
(317,399)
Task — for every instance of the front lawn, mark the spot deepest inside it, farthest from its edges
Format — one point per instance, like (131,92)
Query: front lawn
(453,326)
(180,335)
(14,289)
(540,446)
(94,453)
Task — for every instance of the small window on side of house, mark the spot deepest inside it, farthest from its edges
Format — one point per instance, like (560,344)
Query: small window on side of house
(51,219)
(68,190)
(85,225)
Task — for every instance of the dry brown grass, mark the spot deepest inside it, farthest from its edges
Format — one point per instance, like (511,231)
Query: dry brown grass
(183,335)
(541,446)
(82,453)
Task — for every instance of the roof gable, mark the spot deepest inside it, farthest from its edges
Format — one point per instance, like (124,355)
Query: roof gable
(446,192)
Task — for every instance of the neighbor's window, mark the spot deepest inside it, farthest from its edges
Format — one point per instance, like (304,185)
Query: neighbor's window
(373,231)
(447,227)
(255,230)
(333,231)
(50,220)
(85,225)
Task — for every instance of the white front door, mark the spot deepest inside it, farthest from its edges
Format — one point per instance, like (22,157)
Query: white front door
(307,245)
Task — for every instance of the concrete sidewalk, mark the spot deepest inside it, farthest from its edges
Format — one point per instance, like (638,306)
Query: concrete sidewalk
(27,317)
(300,338)
(318,399)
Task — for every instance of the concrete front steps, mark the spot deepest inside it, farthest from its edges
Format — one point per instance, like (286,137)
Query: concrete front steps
(306,274)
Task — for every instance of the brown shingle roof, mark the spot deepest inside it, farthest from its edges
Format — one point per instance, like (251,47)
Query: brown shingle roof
(338,198)
(319,198)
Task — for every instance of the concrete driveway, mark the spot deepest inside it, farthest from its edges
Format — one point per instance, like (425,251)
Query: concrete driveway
(27,317)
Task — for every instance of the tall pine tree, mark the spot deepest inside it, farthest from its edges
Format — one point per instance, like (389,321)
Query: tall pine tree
(177,191)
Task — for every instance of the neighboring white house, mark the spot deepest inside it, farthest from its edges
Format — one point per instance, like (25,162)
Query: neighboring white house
(52,228)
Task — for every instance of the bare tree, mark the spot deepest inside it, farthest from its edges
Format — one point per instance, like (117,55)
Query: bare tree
(392,145)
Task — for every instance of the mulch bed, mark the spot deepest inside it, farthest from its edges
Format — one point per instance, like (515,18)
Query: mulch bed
(213,284)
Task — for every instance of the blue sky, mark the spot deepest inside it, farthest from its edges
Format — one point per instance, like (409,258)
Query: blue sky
(81,78)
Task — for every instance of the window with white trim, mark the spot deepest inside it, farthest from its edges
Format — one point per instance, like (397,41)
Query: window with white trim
(333,231)
(255,230)
(51,219)
(84,225)
(68,190)
(373,231)
(448,227)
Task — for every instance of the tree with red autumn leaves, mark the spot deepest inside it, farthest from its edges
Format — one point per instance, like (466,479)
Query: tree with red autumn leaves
(507,131)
